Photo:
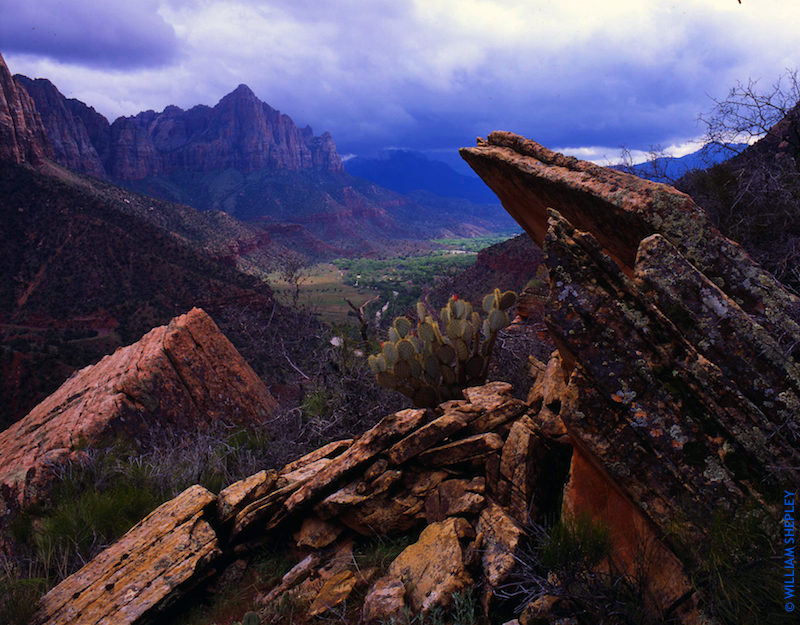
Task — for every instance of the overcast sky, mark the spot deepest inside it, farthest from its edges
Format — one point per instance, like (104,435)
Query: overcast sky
(580,76)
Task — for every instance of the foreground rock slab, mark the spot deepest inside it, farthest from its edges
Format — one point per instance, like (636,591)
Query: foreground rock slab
(152,565)
(185,374)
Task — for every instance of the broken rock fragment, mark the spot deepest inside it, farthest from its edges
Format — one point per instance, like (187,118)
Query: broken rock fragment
(155,562)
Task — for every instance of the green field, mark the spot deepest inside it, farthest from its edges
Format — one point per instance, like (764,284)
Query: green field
(324,292)
(397,281)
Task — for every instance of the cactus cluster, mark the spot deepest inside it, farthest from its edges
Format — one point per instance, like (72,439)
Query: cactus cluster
(251,618)
(431,364)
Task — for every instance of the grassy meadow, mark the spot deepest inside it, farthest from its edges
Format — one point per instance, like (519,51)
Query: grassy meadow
(398,282)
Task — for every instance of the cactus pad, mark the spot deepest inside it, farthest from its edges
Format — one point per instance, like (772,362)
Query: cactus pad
(406,349)
(403,326)
(387,380)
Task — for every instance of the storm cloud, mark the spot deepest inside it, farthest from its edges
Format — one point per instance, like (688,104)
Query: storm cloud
(424,74)
(91,33)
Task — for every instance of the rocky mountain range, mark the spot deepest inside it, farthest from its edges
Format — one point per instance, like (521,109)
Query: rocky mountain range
(240,132)
(240,156)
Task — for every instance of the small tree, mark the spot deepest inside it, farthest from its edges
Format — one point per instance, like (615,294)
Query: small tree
(293,269)
(655,167)
(750,113)
(754,198)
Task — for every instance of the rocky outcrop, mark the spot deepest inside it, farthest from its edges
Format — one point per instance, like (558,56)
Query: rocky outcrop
(71,142)
(185,374)
(172,549)
(240,132)
(620,210)
(680,357)
(403,474)
(23,138)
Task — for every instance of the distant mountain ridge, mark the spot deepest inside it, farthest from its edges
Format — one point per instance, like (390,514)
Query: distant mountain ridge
(239,132)
(249,160)
(671,168)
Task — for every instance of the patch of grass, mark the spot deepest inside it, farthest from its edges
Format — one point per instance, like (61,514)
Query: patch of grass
(737,569)
(569,561)
(381,552)
(84,525)
(315,403)
(574,544)
(19,593)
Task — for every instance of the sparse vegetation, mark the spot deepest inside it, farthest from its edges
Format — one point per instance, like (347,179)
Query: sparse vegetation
(566,571)
(740,581)
(754,198)
(465,611)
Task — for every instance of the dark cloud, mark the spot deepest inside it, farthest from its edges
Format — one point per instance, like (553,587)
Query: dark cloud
(97,34)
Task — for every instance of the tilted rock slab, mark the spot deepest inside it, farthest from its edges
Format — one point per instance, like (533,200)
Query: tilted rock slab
(620,210)
(184,374)
(157,561)
(680,352)
(375,484)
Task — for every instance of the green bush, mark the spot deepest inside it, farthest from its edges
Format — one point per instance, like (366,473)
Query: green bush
(19,594)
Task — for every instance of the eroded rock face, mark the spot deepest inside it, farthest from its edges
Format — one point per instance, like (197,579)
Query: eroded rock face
(678,353)
(185,374)
(23,138)
(71,142)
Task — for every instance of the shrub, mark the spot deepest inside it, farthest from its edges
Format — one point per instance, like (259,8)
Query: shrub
(569,562)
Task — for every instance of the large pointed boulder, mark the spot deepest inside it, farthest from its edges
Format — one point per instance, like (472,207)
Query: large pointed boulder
(182,375)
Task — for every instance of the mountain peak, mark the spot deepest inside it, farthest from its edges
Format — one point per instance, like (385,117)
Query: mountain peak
(240,132)
(242,92)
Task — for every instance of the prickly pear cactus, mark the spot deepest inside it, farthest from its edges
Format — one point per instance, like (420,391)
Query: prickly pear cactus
(437,360)
(250,618)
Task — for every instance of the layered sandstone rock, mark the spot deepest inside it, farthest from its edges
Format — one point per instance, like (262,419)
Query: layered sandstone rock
(23,138)
(679,353)
(185,374)
(71,142)
(164,556)
(375,485)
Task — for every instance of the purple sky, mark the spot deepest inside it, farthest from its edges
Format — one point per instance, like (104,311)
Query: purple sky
(584,77)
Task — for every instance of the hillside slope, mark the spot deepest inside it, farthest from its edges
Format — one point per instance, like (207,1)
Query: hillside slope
(79,276)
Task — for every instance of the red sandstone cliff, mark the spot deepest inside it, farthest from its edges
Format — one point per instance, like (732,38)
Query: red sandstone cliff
(22,135)
(72,145)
